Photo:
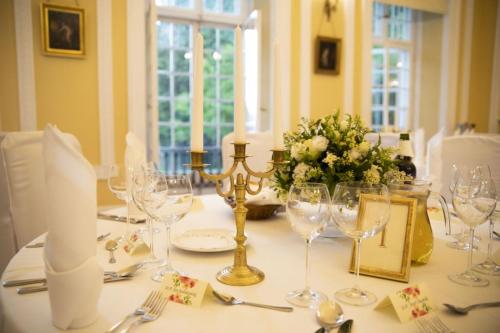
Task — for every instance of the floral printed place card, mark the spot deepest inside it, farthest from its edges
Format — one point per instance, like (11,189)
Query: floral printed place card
(135,245)
(409,303)
(184,290)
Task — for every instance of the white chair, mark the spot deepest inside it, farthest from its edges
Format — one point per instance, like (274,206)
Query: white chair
(25,178)
(7,238)
(469,150)
(387,140)
(259,147)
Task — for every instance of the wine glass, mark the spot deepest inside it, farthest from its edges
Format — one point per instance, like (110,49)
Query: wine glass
(119,184)
(167,199)
(308,210)
(474,199)
(348,199)
(489,266)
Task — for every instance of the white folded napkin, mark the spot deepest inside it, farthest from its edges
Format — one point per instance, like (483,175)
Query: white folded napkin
(74,277)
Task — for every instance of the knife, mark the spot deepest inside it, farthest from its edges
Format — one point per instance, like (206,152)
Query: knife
(43,287)
(119,218)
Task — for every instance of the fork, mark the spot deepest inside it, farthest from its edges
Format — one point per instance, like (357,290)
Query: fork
(153,314)
(432,324)
(144,308)
(464,310)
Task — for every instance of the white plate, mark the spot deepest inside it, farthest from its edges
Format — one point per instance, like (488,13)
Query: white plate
(206,240)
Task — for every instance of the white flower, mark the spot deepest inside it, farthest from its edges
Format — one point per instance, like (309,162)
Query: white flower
(319,143)
(354,154)
(343,124)
(372,176)
(300,172)
(364,147)
(330,159)
(297,151)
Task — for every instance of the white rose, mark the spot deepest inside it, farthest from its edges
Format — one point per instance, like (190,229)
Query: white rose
(300,172)
(319,143)
(297,151)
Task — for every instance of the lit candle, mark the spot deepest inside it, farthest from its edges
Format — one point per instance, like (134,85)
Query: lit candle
(278,117)
(239,107)
(197,114)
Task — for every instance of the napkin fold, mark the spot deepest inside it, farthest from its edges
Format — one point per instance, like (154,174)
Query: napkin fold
(73,275)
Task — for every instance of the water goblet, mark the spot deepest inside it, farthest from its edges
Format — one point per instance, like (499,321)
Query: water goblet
(118,178)
(358,223)
(474,199)
(308,210)
(167,199)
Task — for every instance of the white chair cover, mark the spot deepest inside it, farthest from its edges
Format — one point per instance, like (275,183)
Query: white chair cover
(469,150)
(260,145)
(7,239)
(25,180)
(386,139)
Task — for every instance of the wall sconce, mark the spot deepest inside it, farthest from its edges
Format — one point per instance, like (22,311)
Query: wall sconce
(328,8)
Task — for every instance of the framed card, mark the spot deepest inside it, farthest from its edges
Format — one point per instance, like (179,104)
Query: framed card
(327,56)
(62,30)
(388,254)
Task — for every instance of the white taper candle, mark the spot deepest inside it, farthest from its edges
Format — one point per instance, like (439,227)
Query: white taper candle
(197,113)
(239,106)
(277,111)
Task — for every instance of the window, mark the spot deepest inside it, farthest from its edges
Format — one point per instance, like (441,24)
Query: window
(175,34)
(392,51)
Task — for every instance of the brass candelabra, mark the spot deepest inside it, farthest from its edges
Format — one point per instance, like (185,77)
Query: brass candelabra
(240,273)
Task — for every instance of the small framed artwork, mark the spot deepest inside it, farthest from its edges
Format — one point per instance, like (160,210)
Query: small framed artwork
(63,30)
(327,57)
(388,254)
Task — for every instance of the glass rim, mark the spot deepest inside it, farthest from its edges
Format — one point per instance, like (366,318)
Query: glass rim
(360,184)
(309,184)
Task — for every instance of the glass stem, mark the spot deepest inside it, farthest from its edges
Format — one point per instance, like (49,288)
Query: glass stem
(469,264)
(149,221)
(308,247)
(127,227)
(167,244)
(489,258)
(357,263)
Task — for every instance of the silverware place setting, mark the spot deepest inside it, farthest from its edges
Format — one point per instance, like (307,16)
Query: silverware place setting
(465,309)
(118,218)
(330,315)
(230,300)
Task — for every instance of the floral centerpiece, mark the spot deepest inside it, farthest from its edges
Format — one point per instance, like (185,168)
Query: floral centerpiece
(333,149)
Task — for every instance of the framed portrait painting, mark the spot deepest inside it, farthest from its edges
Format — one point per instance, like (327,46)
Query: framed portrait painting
(63,30)
(327,55)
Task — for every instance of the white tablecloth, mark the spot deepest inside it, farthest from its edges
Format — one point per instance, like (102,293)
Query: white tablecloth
(279,252)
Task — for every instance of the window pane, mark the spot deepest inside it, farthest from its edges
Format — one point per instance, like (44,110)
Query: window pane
(182,3)
(164,110)
(181,85)
(378,79)
(163,85)
(391,117)
(209,66)
(182,137)
(226,89)
(208,38)
(210,5)
(175,3)
(377,118)
(165,136)
(393,99)
(209,111)
(227,113)
(226,40)
(209,87)
(377,98)
(225,130)
(182,35)
(164,59)
(181,64)
(228,6)
(182,110)
(226,64)
(163,34)
(209,136)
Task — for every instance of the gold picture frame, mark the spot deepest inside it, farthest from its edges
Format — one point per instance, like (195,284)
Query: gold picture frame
(388,254)
(62,30)
(327,56)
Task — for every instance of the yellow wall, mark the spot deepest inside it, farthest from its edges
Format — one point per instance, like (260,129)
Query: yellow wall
(327,91)
(9,105)
(483,38)
(295,65)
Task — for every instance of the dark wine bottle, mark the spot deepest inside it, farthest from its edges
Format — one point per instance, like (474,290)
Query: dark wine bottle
(405,156)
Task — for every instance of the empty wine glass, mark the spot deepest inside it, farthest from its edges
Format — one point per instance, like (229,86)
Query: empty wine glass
(119,184)
(167,199)
(474,199)
(358,220)
(489,266)
(308,210)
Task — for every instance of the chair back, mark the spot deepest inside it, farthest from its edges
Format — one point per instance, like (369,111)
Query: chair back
(259,148)
(469,150)
(25,178)
(7,239)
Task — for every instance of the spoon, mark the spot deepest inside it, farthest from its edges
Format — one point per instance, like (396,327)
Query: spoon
(230,300)
(111,246)
(329,315)
(464,310)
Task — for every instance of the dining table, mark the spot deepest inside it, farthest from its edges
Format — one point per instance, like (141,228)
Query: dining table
(274,248)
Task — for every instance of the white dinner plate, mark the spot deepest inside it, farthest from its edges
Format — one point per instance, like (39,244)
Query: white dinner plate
(206,240)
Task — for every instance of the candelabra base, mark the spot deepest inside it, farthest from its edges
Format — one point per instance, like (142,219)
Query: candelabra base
(240,276)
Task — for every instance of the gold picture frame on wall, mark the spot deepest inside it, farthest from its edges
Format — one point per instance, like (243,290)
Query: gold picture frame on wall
(388,254)
(62,30)
(327,56)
